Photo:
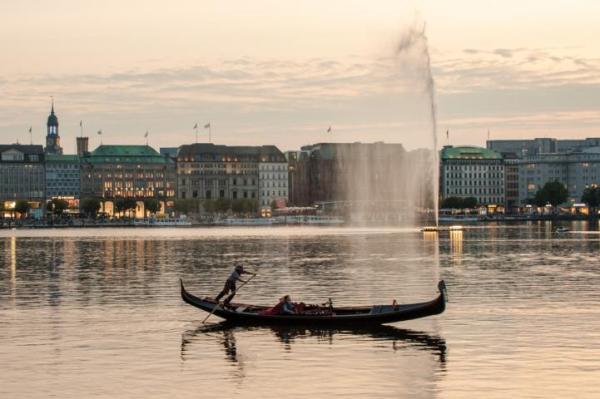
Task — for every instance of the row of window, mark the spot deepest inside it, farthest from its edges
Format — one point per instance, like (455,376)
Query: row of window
(474,167)
(484,175)
(474,191)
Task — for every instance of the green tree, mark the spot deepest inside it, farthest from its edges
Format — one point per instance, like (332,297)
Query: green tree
(90,206)
(553,193)
(57,206)
(222,205)
(209,205)
(237,205)
(130,205)
(250,205)
(187,206)
(119,206)
(452,203)
(22,207)
(470,202)
(273,204)
(591,196)
(151,205)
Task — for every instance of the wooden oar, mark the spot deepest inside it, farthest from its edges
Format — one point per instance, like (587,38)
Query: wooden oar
(236,291)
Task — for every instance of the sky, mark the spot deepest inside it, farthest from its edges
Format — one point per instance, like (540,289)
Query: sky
(282,72)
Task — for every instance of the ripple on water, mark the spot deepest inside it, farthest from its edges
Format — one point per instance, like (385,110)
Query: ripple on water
(97,313)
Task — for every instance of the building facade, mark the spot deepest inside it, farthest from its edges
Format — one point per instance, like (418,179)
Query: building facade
(364,177)
(576,170)
(208,171)
(22,174)
(472,172)
(524,148)
(529,164)
(62,177)
(111,172)
(272,177)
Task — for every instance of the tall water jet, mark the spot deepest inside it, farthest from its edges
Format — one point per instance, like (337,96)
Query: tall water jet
(384,183)
(414,43)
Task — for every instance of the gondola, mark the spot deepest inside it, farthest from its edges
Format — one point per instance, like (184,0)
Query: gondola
(325,316)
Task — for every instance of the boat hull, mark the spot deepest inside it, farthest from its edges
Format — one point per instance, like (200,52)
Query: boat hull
(347,317)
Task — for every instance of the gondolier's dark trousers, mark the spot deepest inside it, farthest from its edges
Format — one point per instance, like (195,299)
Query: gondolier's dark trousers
(229,286)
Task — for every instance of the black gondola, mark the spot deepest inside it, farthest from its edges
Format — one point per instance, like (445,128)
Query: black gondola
(322,316)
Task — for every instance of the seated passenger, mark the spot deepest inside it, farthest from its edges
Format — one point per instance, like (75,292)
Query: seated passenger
(287,307)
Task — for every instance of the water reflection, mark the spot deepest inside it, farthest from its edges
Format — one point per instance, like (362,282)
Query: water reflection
(456,246)
(225,334)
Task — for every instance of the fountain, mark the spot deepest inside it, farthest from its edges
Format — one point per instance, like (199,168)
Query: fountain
(384,183)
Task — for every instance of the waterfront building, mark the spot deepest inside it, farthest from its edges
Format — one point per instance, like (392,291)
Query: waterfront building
(272,176)
(128,171)
(473,172)
(62,177)
(369,176)
(22,175)
(524,148)
(529,164)
(209,171)
(576,170)
(511,183)
(298,177)
(52,135)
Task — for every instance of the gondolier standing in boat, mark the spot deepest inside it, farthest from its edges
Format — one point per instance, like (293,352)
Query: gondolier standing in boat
(230,284)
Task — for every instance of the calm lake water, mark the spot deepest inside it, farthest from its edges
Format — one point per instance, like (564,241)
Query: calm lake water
(97,313)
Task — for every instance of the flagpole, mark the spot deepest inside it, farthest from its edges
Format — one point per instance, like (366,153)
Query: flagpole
(208,126)
(80,128)
(30,136)
(196,130)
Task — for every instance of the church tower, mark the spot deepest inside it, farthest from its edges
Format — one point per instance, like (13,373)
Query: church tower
(52,137)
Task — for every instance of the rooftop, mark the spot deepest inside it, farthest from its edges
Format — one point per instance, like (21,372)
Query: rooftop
(125,154)
(24,148)
(266,152)
(62,158)
(450,152)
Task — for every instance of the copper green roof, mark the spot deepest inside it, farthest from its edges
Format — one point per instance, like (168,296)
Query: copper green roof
(125,154)
(55,158)
(469,153)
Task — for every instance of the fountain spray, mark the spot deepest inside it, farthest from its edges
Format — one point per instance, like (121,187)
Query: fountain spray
(414,41)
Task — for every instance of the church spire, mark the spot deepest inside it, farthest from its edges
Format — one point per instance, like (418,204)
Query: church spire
(52,138)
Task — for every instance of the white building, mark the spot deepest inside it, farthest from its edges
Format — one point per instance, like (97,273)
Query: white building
(272,176)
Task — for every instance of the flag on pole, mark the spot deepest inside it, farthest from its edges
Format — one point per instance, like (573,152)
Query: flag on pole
(30,127)
(80,123)
(146,135)
(195,126)
(447,134)
(99,132)
(329,129)
(207,126)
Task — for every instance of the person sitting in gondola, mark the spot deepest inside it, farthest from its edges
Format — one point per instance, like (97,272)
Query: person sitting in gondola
(230,284)
(285,306)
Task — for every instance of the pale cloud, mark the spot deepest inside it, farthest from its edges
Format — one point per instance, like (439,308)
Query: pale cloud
(291,102)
